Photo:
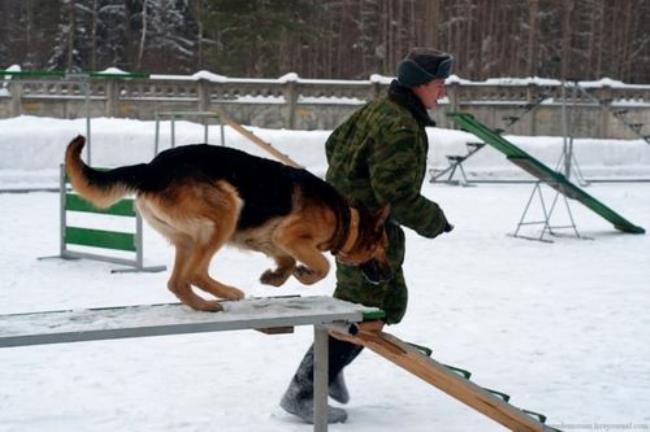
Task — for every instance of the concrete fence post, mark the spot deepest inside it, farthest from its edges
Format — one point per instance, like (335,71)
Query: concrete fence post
(374,90)
(291,100)
(112,98)
(16,91)
(203,94)
(604,96)
(454,100)
(532,93)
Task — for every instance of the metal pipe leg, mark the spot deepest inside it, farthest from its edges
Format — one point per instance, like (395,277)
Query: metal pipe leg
(320,378)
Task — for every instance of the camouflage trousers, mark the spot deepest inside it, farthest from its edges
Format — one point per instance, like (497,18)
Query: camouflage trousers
(390,296)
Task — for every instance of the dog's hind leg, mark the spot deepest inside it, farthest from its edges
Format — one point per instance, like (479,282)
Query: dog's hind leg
(286,265)
(179,283)
(221,205)
(184,244)
(199,265)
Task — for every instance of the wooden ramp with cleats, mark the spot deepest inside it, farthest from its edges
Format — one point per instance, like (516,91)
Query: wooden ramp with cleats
(453,381)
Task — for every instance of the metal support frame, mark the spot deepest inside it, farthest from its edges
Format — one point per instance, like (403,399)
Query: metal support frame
(546,221)
(456,162)
(173,115)
(569,164)
(134,265)
(568,158)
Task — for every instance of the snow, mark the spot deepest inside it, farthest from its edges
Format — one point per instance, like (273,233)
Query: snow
(209,76)
(381,79)
(114,70)
(386,79)
(27,154)
(544,82)
(334,100)
(561,327)
(290,77)
(14,68)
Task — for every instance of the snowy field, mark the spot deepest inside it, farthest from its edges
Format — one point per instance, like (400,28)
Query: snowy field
(563,328)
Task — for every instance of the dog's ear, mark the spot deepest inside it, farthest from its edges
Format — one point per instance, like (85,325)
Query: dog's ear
(381,216)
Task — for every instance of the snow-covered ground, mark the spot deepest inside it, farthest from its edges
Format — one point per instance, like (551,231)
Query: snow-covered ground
(563,328)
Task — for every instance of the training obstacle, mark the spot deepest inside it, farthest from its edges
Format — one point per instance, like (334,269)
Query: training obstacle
(451,380)
(271,315)
(257,140)
(173,115)
(544,174)
(264,314)
(131,242)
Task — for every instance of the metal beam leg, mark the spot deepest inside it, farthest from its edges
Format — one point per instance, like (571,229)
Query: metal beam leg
(321,368)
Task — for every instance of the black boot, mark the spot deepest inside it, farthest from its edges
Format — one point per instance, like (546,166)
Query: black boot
(338,390)
(299,397)
(343,354)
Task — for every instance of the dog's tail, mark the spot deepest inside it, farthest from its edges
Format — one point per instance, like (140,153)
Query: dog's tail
(101,188)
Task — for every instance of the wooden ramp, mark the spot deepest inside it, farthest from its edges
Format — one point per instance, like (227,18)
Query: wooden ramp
(257,140)
(455,382)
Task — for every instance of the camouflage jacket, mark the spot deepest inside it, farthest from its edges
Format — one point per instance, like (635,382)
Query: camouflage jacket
(379,156)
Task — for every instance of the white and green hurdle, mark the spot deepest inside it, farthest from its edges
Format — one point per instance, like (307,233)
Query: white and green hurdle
(174,115)
(107,240)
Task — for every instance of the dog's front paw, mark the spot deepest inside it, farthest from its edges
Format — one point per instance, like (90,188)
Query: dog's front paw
(274,277)
(306,275)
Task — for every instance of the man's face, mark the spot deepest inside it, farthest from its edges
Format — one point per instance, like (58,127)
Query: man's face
(430,92)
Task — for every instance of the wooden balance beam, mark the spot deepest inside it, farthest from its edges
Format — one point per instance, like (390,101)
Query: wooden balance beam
(265,314)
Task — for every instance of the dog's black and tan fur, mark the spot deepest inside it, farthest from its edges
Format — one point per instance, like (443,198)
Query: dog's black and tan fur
(201,197)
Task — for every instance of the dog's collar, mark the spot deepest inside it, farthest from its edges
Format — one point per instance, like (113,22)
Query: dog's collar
(347,231)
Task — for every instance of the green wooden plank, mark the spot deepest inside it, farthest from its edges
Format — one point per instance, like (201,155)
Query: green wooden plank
(469,123)
(100,238)
(74,202)
(373,315)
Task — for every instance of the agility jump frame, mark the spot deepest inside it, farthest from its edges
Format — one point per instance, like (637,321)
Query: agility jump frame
(104,239)
(173,115)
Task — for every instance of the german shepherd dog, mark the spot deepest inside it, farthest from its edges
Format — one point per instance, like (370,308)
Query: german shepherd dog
(201,197)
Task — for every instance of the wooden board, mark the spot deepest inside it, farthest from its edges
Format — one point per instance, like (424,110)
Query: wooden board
(257,140)
(174,318)
(443,378)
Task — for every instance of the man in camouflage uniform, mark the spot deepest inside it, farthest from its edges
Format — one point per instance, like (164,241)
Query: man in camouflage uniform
(377,157)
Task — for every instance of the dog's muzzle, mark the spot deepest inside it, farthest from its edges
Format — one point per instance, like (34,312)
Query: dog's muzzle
(376,272)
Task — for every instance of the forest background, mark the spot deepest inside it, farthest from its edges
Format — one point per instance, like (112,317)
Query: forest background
(342,39)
